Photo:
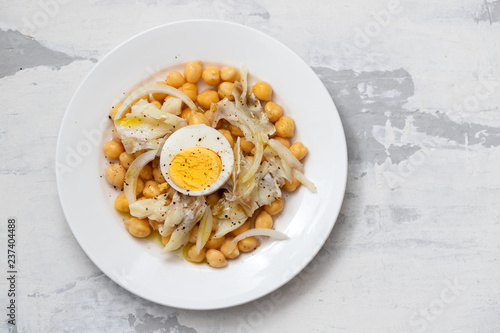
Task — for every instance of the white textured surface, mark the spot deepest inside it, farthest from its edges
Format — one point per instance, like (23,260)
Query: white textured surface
(415,247)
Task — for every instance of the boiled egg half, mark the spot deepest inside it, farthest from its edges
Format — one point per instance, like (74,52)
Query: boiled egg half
(196,160)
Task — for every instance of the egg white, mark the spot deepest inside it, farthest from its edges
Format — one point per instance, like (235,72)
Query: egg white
(198,136)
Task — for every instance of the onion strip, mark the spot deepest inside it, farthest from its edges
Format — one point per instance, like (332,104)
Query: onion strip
(237,164)
(285,154)
(133,172)
(151,89)
(259,152)
(256,232)
(304,181)
(206,224)
(261,232)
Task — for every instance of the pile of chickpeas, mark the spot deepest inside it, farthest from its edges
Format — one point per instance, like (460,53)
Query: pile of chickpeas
(152,183)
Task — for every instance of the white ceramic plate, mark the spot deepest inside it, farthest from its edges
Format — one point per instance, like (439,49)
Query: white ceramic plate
(135,264)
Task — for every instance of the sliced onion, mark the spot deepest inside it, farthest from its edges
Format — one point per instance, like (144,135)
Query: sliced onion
(151,89)
(256,232)
(259,152)
(225,226)
(205,230)
(133,173)
(177,239)
(237,164)
(304,181)
(185,251)
(285,154)
(287,170)
(231,246)
(260,232)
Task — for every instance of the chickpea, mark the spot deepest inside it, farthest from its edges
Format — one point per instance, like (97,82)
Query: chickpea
(275,207)
(248,244)
(228,136)
(207,97)
(113,149)
(115,174)
(283,141)
(193,235)
(190,89)
(209,114)
(198,118)
(114,110)
(229,73)
(226,246)
(214,243)
(192,71)
(192,255)
(157,104)
(151,189)
(121,203)
(138,227)
(175,79)
(235,130)
(285,127)
(215,258)
(139,186)
(146,172)
(263,91)
(212,199)
(158,176)
(159,96)
(246,145)
(138,153)
(126,159)
(273,111)
(226,90)
(242,228)
(211,75)
(264,220)
(155,163)
(220,124)
(298,150)
(186,113)
(290,187)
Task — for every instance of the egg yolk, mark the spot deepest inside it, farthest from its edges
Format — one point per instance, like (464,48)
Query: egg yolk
(195,168)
